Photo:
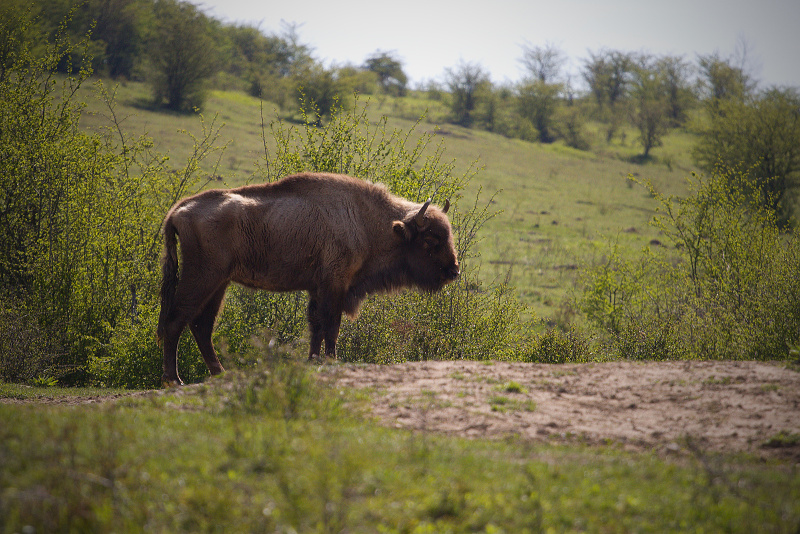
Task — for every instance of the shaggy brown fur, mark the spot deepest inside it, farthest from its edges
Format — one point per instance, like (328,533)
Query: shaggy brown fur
(337,237)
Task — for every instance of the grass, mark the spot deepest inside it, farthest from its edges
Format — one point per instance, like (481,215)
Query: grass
(274,450)
(32,393)
(558,208)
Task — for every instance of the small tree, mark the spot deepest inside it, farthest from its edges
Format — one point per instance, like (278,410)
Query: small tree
(182,55)
(319,92)
(467,82)
(119,27)
(761,134)
(608,74)
(543,63)
(537,103)
(675,72)
(649,109)
(721,81)
(389,70)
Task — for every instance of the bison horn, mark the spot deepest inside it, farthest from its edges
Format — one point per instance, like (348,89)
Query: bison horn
(419,218)
(446,205)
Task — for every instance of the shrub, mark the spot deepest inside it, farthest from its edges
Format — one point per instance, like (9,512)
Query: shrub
(79,229)
(23,354)
(728,288)
(557,346)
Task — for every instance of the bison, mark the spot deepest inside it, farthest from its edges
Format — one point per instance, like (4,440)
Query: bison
(337,237)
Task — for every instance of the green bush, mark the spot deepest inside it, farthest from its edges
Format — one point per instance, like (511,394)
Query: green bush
(23,354)
(79,228)
(557,346)
(726,289)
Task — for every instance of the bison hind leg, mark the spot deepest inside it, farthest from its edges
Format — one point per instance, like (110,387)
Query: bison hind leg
(196,304)
(202,327)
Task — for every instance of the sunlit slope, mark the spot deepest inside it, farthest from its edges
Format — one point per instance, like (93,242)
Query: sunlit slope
(558,208)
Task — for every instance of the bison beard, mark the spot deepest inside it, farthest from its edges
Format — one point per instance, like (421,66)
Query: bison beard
(337,237)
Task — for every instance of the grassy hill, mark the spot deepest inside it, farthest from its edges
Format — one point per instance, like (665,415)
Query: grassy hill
(558,208)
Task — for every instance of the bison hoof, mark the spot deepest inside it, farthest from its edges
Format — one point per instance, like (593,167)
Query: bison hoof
(321,359)
(171,382)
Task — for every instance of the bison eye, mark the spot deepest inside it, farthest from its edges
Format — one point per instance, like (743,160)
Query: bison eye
(431,242)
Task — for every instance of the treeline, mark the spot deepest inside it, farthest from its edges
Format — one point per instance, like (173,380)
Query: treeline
(181,52)
(737,124)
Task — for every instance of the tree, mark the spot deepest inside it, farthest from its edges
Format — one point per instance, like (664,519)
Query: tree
(608,74)
(389,70)
(537,102)
(675,72)
(721,80)
(182,55)
(118,25)
(319,92)
(299,55)
(649,109)
(760,136)
(466,82)
(255,53)
(543,63)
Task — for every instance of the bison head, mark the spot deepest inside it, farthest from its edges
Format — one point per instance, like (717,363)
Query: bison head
(429,253)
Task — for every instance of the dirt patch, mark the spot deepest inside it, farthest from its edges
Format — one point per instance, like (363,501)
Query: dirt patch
(750,407)
(69,399)
(721,406)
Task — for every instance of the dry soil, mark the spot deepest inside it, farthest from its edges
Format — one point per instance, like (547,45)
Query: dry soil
(750,407)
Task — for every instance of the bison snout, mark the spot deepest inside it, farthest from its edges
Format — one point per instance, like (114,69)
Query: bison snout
(453,272)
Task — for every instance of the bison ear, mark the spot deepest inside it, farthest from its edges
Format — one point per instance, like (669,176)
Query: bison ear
(446,205)
(402,229)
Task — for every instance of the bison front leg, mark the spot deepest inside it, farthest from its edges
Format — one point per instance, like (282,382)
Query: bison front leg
(331,328)
(314,328)
(324,320)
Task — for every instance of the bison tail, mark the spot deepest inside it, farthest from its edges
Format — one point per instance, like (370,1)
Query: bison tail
(169,270)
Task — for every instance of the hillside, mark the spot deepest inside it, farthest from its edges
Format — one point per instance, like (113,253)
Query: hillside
(557,208)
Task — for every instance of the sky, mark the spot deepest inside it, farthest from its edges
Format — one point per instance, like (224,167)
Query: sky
(429,36)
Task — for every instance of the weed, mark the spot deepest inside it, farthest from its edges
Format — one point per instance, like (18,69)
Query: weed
(713,381)
(513,387)
(502,404)
(783,439)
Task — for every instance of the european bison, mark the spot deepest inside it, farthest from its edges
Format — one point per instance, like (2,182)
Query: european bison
(337,237)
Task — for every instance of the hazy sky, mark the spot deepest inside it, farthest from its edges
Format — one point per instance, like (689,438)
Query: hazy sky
(430,35)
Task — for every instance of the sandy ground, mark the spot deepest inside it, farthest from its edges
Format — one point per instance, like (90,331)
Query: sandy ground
(748,407)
